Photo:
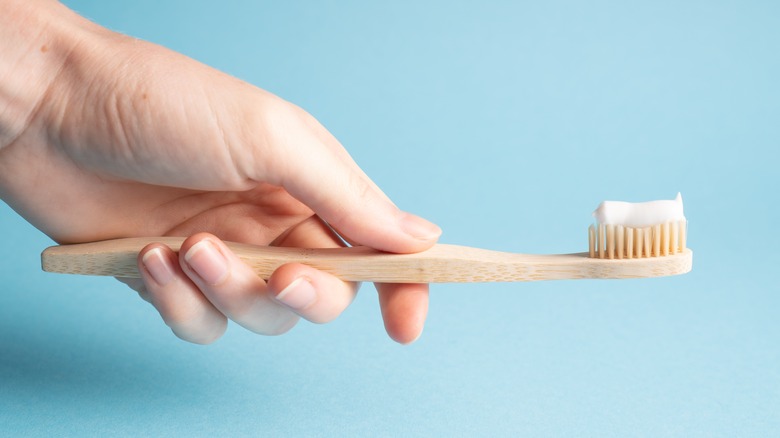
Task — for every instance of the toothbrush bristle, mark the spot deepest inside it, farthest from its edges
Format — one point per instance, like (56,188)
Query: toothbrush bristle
(619,242)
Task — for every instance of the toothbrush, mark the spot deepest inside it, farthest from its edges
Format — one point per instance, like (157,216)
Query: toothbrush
(440,264)
(622,245)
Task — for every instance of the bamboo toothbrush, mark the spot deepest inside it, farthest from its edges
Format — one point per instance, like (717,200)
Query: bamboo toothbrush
(616,251)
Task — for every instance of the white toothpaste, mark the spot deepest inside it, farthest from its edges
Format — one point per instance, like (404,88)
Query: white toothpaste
(640,214)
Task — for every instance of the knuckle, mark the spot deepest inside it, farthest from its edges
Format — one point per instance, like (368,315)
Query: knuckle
(201,335)
(203,329)
(272,327)
(324,318)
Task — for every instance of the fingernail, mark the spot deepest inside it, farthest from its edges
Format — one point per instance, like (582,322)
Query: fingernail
(419,228)
(299,294)
(208,262)
(158,266)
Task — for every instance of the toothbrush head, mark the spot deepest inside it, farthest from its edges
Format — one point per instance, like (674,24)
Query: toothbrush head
(637,230)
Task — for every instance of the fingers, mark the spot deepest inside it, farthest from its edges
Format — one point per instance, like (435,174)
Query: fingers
(206,284)
(199,289)
(404,308)
(181,304)
(293,290)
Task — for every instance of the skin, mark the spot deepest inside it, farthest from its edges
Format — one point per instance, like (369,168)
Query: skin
(104,136)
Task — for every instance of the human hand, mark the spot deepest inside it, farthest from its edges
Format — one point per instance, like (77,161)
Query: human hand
(114,137)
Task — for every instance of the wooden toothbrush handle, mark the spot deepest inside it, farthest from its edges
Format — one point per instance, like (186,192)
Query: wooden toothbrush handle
(440,264)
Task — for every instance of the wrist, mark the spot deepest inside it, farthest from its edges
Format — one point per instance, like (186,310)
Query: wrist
(36,39)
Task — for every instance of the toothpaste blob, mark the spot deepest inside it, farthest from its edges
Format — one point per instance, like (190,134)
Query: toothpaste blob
(640,214)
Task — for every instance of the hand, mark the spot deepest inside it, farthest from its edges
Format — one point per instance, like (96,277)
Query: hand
(115,137)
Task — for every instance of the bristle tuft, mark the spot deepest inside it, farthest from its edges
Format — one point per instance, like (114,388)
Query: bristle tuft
(618,242)
(592,241)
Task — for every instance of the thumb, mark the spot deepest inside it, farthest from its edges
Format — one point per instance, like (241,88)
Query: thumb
(319,172)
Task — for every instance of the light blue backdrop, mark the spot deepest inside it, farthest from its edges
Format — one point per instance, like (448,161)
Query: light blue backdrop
(506,123)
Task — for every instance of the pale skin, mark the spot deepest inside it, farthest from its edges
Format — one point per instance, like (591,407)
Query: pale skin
(105,136)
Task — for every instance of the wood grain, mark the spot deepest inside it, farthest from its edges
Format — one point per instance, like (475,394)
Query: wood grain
(440,264)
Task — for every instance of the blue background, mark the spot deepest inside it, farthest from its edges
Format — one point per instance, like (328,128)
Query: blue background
(506,123)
